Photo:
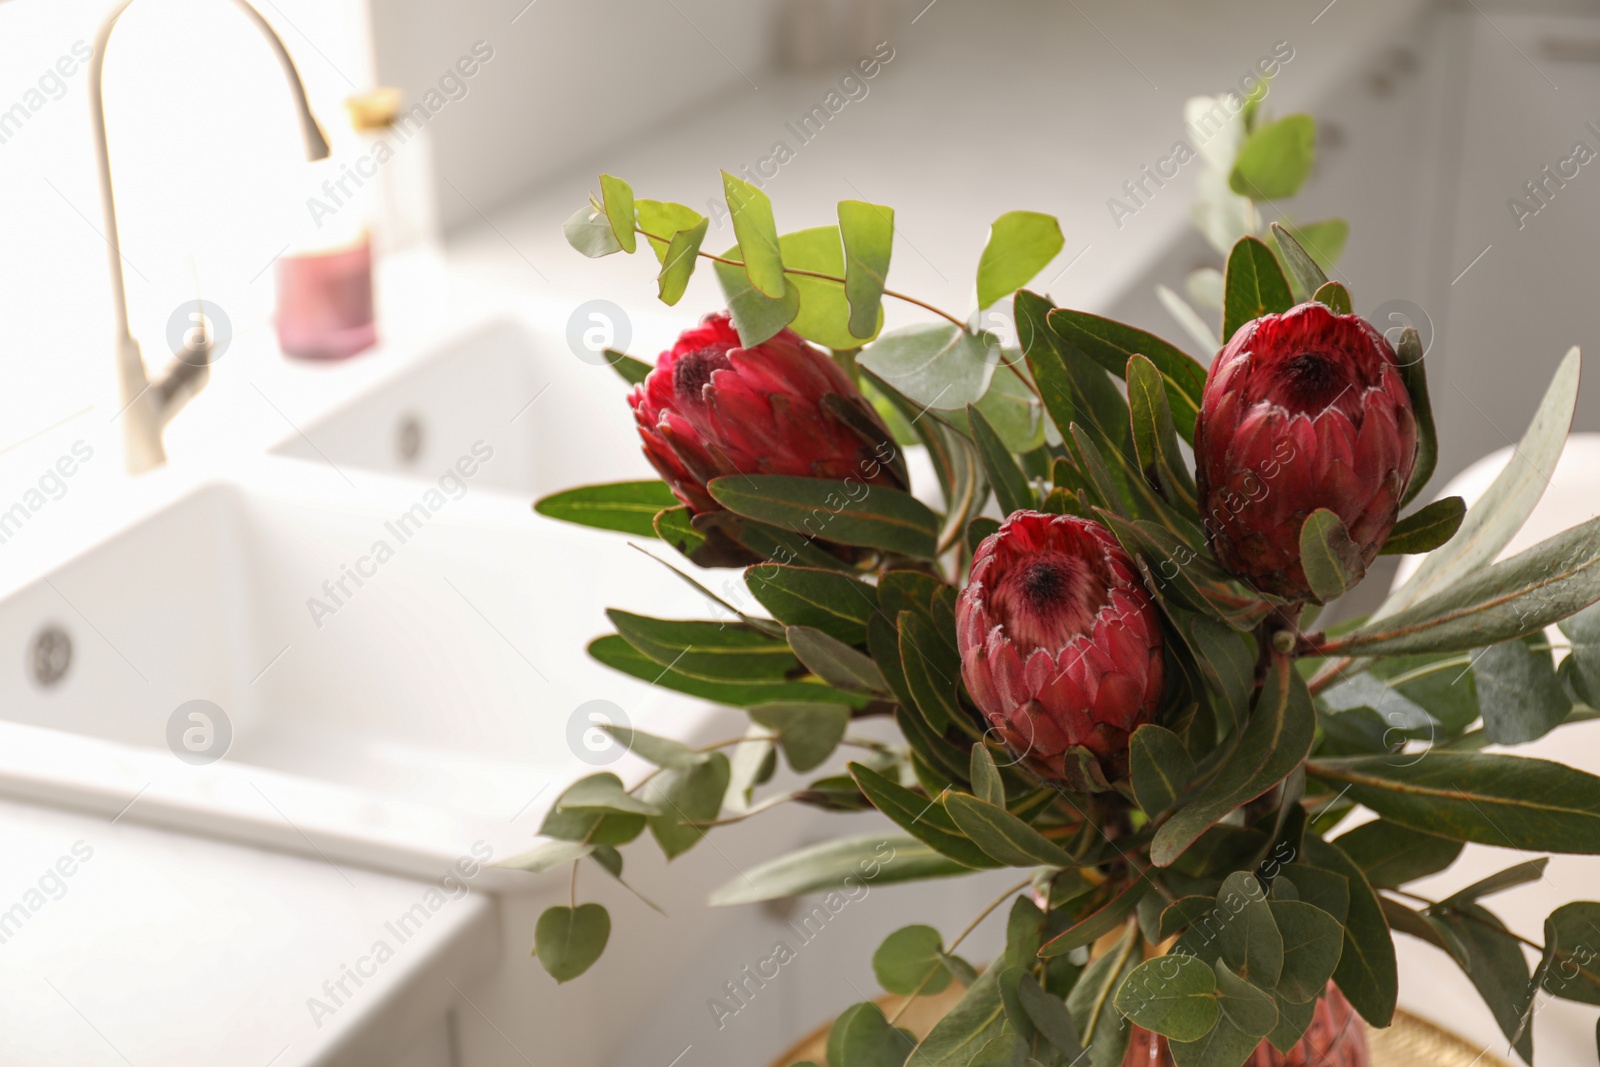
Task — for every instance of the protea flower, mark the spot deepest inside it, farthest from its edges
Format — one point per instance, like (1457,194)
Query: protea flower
(712,407)
(1060,645)
(1301,411)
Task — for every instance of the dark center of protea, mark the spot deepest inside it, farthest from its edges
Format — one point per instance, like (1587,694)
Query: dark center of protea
(1312,380)
(691,372)
(1047,600)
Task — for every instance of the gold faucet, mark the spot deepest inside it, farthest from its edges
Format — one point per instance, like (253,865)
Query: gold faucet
(148,405)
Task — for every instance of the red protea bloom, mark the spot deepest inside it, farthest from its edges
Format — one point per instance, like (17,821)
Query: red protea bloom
(1060,645)
(712,408)
(1301,411)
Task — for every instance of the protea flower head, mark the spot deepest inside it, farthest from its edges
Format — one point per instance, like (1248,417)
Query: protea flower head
(1301,411)
(1060,645)
(712,407)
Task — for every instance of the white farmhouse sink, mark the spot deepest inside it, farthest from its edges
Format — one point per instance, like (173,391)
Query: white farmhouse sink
(393,722)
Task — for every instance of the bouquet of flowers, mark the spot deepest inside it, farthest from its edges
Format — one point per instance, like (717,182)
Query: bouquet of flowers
(1101,656)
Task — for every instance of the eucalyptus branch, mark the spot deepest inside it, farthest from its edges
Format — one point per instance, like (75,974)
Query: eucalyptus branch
(1499,929)
(973,925)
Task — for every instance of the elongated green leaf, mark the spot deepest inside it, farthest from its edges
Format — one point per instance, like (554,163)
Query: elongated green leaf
(1049,1017)
(1004,836)
(807,733)
(757,234)
(1225,659)
(1187,574)
(922,817)
(1498,970)
(589,231)
(1274,742)
(617,196)
(935,365)
(1011,488)
(850,513)
(1276,159)
(1160,766)
(1332,561)
(1333,296)
(1414,371)
(987,785)
(715,651)
(976,1020)
(1391,855)
(615,652)
(1021,244)
(932,671)
(1518,874)
(848,862)
(1513,598)
(836,662)
(1367,973)
(1155,436)
(1323,240)
(1173,995)
(1510,801)
(1092,1001)
(1110,344)
(678,265)
(834,603)
(1301,266)
(568,941)
(628,507)
(633,371)
(1426,528)
(867,231)
(1494,520)
(1103,920)
(1254,286)
(757,316)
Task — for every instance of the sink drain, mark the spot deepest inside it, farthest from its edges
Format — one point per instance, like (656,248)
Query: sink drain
(49,656)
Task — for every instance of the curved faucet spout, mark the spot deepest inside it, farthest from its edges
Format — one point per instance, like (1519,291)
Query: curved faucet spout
(147,406)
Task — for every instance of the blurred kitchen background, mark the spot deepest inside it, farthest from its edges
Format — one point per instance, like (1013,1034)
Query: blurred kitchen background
(1433,119)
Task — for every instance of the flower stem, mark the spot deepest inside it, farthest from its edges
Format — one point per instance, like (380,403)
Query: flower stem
(973,925)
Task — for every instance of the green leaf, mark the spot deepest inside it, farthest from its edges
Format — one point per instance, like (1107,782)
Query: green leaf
(567,941)
(1414,372)
(1511,801)
(932,672)
(757,316)
(834,603)
(1275,741)
(629,507)
(547,855)
(678,265)
(976,1020)
(867,231)
(1494,520)
(1173,995)
(1247,1007)
(633,371)
(714,651)
(1254,286)
(1572,970)
(661,220)
(850,513)
(687,797)
(836,662)
(1225,1046)
(1522,873)
(1092,999)
(923,817)
(589,231)
(1250,940)
(848,862)
(1160,766)
(1332,561)
(1583,665)
(1110,344)
(757,234)
(1010,406)
(908,962)
(1004,836)
(1323,888)
(662,751)
(986,783)
(1335,297)
(1293,1022)
(1226,661)
(615,652)
(807,733)
(1426,528)
(1313,941)
(1323,240)
(1049,1016)
(1155,436)
(618,198)
(862,1037)
(1498,970)
(1098,923)
(1391,855)
(824,310)
(935,365)
(1276,159)
(1518,692)
(1189,576)
(1303,269)
(602,792)
(1021,244)
(1011,488)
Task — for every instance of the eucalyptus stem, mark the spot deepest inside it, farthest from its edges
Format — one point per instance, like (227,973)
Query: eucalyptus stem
(973,925)
(1499,929)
